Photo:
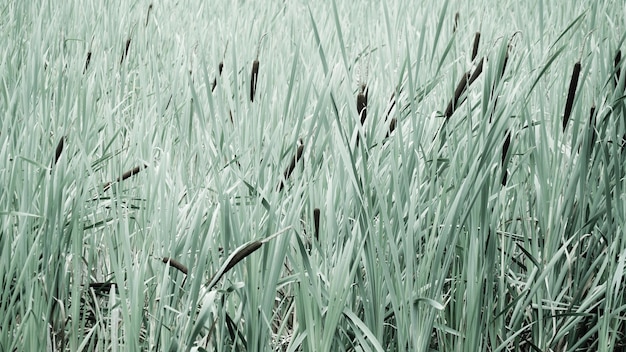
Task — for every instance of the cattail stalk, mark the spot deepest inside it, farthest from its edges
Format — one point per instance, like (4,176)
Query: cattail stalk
(175,264)
(570,94)
(456,22)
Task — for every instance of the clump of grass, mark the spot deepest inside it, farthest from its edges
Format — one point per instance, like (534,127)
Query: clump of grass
(571,93)
(125,175)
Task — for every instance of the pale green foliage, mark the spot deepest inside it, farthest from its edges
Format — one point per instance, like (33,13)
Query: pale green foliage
(421,246)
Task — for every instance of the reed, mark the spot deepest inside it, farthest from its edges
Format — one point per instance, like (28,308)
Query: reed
(571,94)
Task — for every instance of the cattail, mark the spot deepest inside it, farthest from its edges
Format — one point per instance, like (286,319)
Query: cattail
(460,88)
(475,46)
(233,259)
(456,22)
(175,264)
(361,103)
(392,104)
(220,67)
(148,15)
(361,106)
(392,127)
(87,61)
(617,61)
(253,78)
(505,150)
(125,175)
(125,53)
(592,125)
(59,150)
(571,93)
(291,166)
(477,71)
(465,81)
(316,222)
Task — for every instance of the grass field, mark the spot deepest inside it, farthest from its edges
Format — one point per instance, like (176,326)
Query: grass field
(312,176)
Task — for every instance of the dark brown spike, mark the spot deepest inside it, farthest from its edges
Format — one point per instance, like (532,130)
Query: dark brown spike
(456,22)
(220,67)
(175,264)
(460,88)
(125,53)
(59,150)
(253,79)
(617,64)
(87,61)
(570,94)
(592,126)
(361,105)
(475,46)
(316,222)
(233,260)
(291,167)
(148,15)
(505,150)
(477,71)
(125,175)
(392,127)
